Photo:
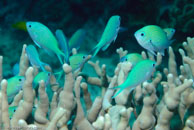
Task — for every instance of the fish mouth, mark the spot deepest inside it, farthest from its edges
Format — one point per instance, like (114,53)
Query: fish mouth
(135,35)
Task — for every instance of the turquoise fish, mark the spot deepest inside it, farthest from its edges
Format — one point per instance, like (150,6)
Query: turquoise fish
(109,35)
(44,38)
(169,32)
(33,56)
(11,111)
(77,39)
(152,38)
(133,58)
(77,60)
(41,76)
(16,69)
(45,76)
(14,86)
(64,45)
(140,73)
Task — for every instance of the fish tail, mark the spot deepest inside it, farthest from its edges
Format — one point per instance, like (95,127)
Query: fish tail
(67,59)
(42,64)
(116,87)
(118,92)
(96,51)
(59,56)
(171,41)
(60,74)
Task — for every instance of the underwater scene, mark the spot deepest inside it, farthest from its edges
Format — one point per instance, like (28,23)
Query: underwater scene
(96,64)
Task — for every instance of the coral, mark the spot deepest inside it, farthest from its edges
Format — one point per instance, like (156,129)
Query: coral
(153,104)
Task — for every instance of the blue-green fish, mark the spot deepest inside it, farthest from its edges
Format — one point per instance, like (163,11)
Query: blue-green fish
(41,76)
(11,111)
(14,86)
(16,69)
(64,45)
(133,58)
(77,39)
(109,35)
(34,57)
(152,38)
(169,32)
(140,73)
(77,60)
(44,38)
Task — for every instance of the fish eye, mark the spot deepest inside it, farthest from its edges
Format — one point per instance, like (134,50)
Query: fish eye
(153,65)
(30,26)
(142,34)
(84,57)
(14,110)
(49,74)
(126,59)
(20,80)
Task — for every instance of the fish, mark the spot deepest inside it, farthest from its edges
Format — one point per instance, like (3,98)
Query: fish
(109,35)
(77,60)
(140,73)
(41,76)
(133,58)
(45,76)
(33,57)
(21,25)
(153,38)
(11,111)
(44,38)
(16,69)
(169,32)
(63,44)
(77,39)
(14,86)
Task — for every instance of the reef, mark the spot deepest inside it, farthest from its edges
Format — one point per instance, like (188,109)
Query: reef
(162,103)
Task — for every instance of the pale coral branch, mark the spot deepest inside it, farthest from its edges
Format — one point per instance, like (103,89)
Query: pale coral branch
(53,123)
(108,123)
(17,99)
(53,105)
(94,110)
(124,118)
(24,126)
(106,104)
(81,123)
(23,62)
(86,95)
(99,123)
(43,104)
(121,52)
(96,67)
(5,106)
(172,66)
(25,108)
(66,97)
(1,68)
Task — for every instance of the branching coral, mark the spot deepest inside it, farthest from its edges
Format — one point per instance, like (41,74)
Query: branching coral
(72,107)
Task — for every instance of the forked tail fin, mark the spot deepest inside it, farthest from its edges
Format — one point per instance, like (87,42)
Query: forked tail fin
(59,56)
(94,51)
(118,92)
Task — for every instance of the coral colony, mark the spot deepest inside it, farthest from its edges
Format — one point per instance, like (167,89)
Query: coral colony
(89,81)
